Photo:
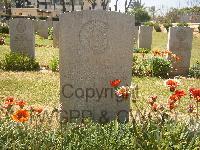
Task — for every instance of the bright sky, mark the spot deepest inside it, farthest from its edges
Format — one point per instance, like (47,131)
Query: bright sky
(163,5)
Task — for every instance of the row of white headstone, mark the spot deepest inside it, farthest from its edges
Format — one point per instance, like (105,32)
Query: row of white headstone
(95,48)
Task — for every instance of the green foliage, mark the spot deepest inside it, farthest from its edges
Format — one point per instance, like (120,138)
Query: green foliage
(18,62)
(141,15)
(149,24)
(141,50)
(42,18)
(146,134)
(140,67)
(4,29)
(195,70)
(160,67)
(167,26)
(50,33)
(54,64)
(183,24)
(157,27)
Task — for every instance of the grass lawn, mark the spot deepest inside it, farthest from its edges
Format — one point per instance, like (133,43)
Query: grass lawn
(42,88)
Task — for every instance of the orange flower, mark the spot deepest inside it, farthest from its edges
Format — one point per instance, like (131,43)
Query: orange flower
(174,98)
(167,52)
(150,101)
(9,99)
(21,115)
(123,91)
(115,83)
(172,84)
(157,53)
(195,93)
(20,103)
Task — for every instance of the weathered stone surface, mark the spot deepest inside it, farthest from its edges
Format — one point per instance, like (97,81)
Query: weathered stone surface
(145,37)
(95,47)
(22,37)
(55,33)
(180,43)
(42,28)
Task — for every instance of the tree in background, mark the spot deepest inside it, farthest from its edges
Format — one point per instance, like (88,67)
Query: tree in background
(140,12)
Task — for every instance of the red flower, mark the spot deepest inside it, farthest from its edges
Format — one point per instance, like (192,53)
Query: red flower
(174,97)
(180,93)
(115,83)
(20,103)
(171,106)
(154,97)
(195,93)
(172,84)
(150,101)
(155,107)
(10,99)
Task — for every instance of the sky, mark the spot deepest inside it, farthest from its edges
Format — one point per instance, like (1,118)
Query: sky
(161,5)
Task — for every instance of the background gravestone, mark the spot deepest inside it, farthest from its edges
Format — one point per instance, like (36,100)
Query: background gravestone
(180,43)
(55,33)
(42,28)
(22,37)
(145,37)
(95,47)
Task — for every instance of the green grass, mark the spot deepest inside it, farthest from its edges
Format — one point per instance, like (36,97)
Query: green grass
(43,88)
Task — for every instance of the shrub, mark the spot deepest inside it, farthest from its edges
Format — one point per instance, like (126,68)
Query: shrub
(149,24)
(160,66)
(50,33)
(140,67)
(157,27)
(199,28)
(167,26)
(195,70)
(142,50)
(183,24)
(18,62)
(4,29)
(54,64)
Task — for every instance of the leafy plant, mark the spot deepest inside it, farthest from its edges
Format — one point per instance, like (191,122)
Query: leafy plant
(54,64)
(50,33)
(157,27)
(4,29)
(18,62)
(183,24)
(142,50)
(167,26)
(195,70)
(160,66)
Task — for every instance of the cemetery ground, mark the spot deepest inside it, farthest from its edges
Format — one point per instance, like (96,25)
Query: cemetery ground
(41,89)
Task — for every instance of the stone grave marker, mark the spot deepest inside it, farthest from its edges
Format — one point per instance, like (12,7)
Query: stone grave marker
(42,28)
(95,48)
(145,37)
(55,33)
(180,43)
(22,37)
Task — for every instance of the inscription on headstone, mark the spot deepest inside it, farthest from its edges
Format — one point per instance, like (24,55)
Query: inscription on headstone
(180,43)
(22,37)
(95,48)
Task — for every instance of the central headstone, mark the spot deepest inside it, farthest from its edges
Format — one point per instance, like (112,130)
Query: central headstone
(95,48)
(22,38)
